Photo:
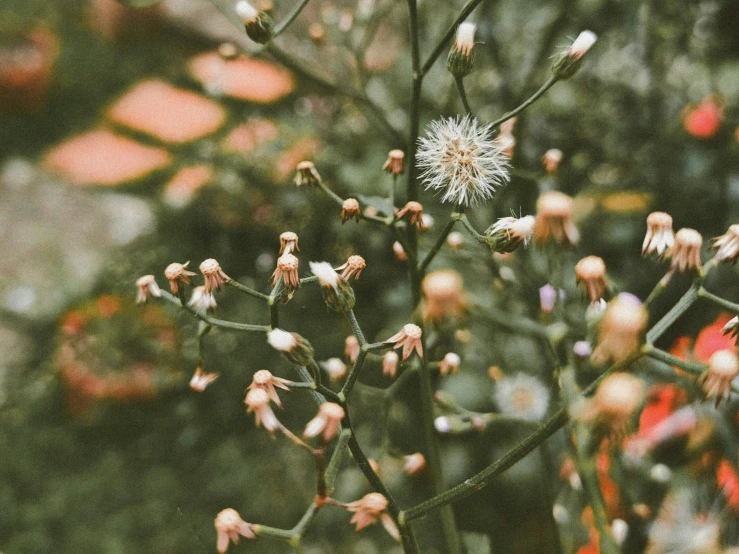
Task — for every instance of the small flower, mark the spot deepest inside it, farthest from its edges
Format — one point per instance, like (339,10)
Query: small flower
(306,174)
(390,363)
(582,349)
(569,61)
(444,296)
(548,297)
(335,368)
(614,402)
(288,243)
(294,347)
(462,161)
(659,237)
(352,268)
(263,379)
(326,422)
(368,510)
(522,396)
(620,329)
(414,211)
(704,121)
(201,300)
(350,209)
(409,337)
(399,252)
(147,285)
(727,245)
(351,348)
(455,240)
(426,222)
(178,274)
(287,268)
(414,463)
(506,234)
(258,24)
(590,274)
(257,401)
(686,253)
(394,163)
(723,367)
(554,220)
(337,293)
(214,275)
(229,527)
(200,380)
(450,363)
(461,60)
(551,160)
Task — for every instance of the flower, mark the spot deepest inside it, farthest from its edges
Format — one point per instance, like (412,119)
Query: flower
(426,222)
(461,60)
(444,296)
(659,237)
(394,163)
(350,209)
(288,243)
(369,509)
(620,329)
(178,274)
(590,273)
(390,363)
(686,252)
(306,174)
(548,297)
(335,368)
(414,211)
(201,300)
(409,337)
(455,239)
(351,348)
(399,252)
(554,220)
(337,293)
(263,379)
(414,463)
(258,24)
(506,234)
(727,245)
(704,121)
(294,347)
(569,61)
(229,526)
(214,275)
(613,403)
(200,380)
(352,268)
(462,161)
(147,285)
(522,396)
(287,268)
(723,367)
(257,400)
(326,422)
(551,160)
(450,363)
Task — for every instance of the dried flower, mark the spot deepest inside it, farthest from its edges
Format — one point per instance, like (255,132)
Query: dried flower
(394,163)
(263,379)
(258,24)
(257,401)
(450,363)
(352,268)
(506,234)
(522,396)
(147,285)
(620,329)
(727,245)
(455,239)
(686,253)
(569,61)
(444,296)
(723,367)
(214,275)
(229,527)
(551,160)
(554,220)
(590,274)
(462,161)
(337,293)
(368,509)
(399,252)
(414,211)
(409,337)
(335,368)
(390,363)
(288,243)
(201,300)
(200,380)
(326,423)
(287,268)
(461,60)
(414,463)
(350,209)
(178,274)
(613,403)
(659,237)
(307,175)
(294,347)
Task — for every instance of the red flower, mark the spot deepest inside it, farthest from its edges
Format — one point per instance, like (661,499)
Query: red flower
(704,121)
(729,482)
(710,340)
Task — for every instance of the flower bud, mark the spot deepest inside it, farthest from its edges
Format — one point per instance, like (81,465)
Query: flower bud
(570,59)
(414,211)
(394,163)
(409,337)
(306,174)
(350,209)
(727,245)
(686,253)
(337,293)
(506,234)
(294,347)
(551,160)
(214,275)
(390,363)
(590,274)
(659,237)
(146,286)
(258,24)
(450,363)
(554,220)
(461,60)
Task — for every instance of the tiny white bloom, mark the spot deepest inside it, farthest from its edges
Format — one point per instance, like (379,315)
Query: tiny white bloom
(582,43)
(247,12)
(325,273)
(465,40)
(281,340)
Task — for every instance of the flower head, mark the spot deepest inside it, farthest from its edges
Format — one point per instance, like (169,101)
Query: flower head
(214,275)
(620,329)
(461,60)
(306,174)
(659,237)
(723,367)
(394,163)
(399,252)
(350,209)
(455,240)
(551,160)
(146,286)
(554,220)
(462,161)
(444,296)
(413,464)
(570,59)
(288,243)
(414,211)
(390,363)
(337,293)
(615,400)
(352,268)
(229,527)
(409,337)
(257,401)
(590,273)
(294,347)
(522,396)
(369,509)
(506,234)
(727,245)
(287,268)
(178,274)
(450,363)
(351,348)
(258,24)
(335,368)
(326,423)
(686,253)
(263,379)
(200,380)
(201,300)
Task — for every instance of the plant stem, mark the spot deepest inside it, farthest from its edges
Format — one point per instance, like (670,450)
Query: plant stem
(439,48)
(223,324)
(691,367)
(731,306)
(247,290)
(279,28)
(463,95)
(659,288)
(482,239)
(670,317)
(437,245)
(356,329)
(545,87)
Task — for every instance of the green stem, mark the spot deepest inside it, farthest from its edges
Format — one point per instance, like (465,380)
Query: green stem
(731,306)
(279,28)
(437,245)
(247,290)
(482,239)
(659,288)
(463,94)
(356,329)
(692,367)
(439,48)
(334,464)
(545,87)
(354,373)
(670,317)
(223,324)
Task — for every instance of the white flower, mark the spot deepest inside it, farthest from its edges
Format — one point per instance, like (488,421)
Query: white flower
(326,274)
(461,160)
(522,396)
(582,43)
(281,340)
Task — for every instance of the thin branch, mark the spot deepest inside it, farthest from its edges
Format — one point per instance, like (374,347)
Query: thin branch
(466,10)
(463,94)
(247,290)
(222,323)
(280,27)
(513,113)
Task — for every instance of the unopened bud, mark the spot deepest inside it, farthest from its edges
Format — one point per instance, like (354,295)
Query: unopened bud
(337,293)
(461,60)
(258,24)
(569,61)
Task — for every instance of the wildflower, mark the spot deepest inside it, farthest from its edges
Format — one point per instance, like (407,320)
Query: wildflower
(522,396)
(263,379)
(620,329)
(201,300)
(350,209)
(659,237)
(214,275)
(352,268)
(414,463)
(426,222)
(551,160)
(258,24)
(394,163)
(554,220)
(442,424)
(317,34)
(450,363)
(306,174)
(548,297)
(230,526)
(704,121)
(686,253)
(146,286)
(399,252)
(335,368)
(200,380)
(390,363)
(326,423)
(455,239)
(722,368)
(614,402)
(287,268)
(294,347)
(351,348)
(178,274)
(506,234)
(461,60)
(257,401)
(288,243)
(444,296)
(727,245)
(590,273)
(462,161)
(337,293)
(409,337)
(582,349)
(369,509)
(414,211)
(569,61)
